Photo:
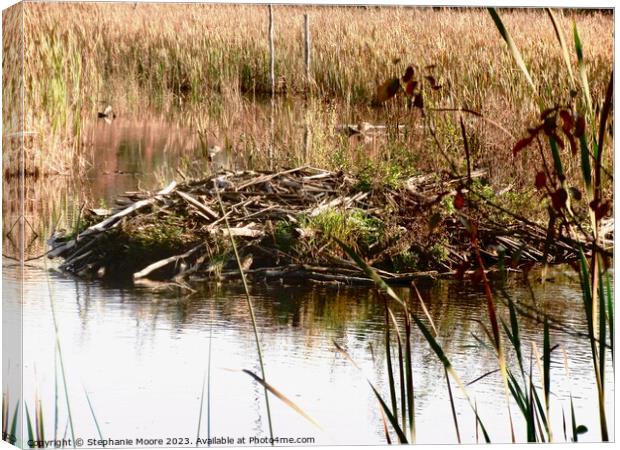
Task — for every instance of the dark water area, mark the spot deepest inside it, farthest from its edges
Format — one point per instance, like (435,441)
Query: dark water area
(142,356)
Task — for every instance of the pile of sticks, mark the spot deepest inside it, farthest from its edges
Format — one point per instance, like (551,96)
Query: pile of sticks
(247,207)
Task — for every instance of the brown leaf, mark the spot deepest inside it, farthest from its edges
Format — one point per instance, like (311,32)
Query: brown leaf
(567,121)
(408,74)
(387,90)
(418,101)
(547,112)
(602,210)
(459,200)
(522,144)
(549,125)
(558,199)
(541,180)
(580,127)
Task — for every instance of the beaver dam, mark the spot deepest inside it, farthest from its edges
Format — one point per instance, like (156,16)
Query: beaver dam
(285,225)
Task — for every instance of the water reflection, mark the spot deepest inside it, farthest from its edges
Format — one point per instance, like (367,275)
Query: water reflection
(142,358)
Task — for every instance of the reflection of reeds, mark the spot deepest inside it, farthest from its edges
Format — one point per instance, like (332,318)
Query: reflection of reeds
(52,204)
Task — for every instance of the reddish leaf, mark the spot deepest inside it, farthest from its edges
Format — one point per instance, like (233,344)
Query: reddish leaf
(549,125)
(580,127)
(602,210)
(547,112)
(558,199)
(522,144)
(572,142)
(408,74)
(541,180)
(459,200)
(410,87)
(567,121)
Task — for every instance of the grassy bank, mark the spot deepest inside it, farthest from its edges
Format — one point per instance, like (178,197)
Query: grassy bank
(80,57)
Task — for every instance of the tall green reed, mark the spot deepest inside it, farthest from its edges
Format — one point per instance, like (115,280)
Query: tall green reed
(578,123)
(428,335)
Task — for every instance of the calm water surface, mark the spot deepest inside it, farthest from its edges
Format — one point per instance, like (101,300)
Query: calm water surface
(143,356)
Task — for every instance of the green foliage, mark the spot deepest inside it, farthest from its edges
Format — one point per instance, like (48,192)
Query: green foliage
(405,262)
(284,235)
(354,227)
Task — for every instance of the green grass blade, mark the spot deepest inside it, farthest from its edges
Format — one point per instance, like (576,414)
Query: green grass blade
(59,351)
(602,322)
(388,355)
(393,421)
(12,433)
(600,143)
(409,376)
(40,428)
(250,308)
(401,369)
(92,412)
(565,55)
(516,338)
(421,326)
(588,304)
(557,159)
(610,313)
(586,168)
(582,69)
(29,428)
(573,420)
(542,413)
(452,408)
(516,54)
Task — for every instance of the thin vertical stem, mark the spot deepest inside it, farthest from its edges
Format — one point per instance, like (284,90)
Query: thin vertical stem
(250,307)
(272,54)
(307,47)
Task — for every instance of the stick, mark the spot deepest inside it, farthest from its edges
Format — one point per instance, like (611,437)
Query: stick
(164,262)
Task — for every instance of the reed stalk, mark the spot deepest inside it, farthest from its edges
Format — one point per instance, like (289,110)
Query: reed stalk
(250,309)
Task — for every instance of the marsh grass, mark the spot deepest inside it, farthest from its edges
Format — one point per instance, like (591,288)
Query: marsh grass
(79,57)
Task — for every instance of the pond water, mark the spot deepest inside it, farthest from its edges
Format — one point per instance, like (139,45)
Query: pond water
(142,356)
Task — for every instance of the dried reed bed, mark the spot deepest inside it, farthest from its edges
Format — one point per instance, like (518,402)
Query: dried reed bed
(81,56)
(195,49)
